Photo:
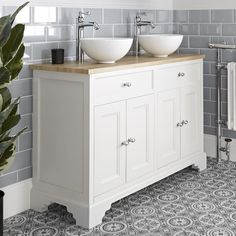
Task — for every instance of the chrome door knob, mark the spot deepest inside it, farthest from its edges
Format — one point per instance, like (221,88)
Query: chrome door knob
(125,143)
(185,122)
(127,84)
(179,124)
(181,74)
(131,140)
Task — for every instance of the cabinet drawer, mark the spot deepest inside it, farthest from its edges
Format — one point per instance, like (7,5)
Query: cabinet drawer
(173,77)
(121,87)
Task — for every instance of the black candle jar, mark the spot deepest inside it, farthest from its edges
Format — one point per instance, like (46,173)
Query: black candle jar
(58,56)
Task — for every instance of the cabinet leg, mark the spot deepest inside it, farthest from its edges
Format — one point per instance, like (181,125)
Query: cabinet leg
(85,216)
(88,217)
(201,163)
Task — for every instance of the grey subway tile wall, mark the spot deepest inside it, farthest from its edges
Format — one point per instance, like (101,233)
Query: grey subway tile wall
(180,16)
(67,16)
(53,27)
(210,29)
(188,29)
(201,27)
(60,33)
(163,16)
(129,15)
(96,14)
(148,15)
(229,30)
(26,106)
(202,16)
(25,141)
(198,41)
(24,174)
(9,178)
(122,30)
(112,16)
(222,16)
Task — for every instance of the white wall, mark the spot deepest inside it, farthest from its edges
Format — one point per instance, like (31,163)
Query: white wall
(17,198)
(204,4)
(129,4)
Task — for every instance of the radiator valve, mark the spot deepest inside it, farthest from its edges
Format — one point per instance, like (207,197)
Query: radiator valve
(226,149)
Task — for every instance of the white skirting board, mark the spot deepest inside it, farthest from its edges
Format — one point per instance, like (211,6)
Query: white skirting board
(210,147)
(17,198)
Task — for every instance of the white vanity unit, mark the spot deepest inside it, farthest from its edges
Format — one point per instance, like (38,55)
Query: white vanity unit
(102,132)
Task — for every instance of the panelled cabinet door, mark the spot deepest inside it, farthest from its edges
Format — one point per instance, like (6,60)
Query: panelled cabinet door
(168,129)
(109,154)
(140,134)
(191,118)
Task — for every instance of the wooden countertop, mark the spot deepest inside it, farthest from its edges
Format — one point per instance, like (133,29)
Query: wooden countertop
(128,62)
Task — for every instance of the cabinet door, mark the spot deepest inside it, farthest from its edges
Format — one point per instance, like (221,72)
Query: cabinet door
(140,128)
(191,132)
(168,133)
(110,156)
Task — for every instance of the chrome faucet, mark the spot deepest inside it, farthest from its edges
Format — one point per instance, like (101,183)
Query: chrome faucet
(138,23)
(80,34)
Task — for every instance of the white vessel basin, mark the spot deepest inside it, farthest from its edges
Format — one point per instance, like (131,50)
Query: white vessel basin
(106,50)
(160,45)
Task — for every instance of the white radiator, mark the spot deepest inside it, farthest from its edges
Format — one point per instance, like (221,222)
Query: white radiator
(231,67)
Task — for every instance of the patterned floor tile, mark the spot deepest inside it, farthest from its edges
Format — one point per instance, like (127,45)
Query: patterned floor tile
(187,203)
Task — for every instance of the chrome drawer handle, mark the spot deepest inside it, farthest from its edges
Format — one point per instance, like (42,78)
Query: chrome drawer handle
(179,124)
(181,74)
(182,123)
(131,140)
(127,84)
(125,143)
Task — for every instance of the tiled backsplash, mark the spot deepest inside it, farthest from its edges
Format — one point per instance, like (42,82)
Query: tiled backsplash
(52,27)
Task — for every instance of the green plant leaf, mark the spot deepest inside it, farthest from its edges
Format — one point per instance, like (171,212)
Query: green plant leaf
(4,136)
(11,54)
(10,123)
(9,111)
(13,43)
(16,63)
(3,164)
(4,76)
(5,29)
(13,16)
(4,146)
(9,151)
(5,98)
(15,109)
(19,133)
(6,163)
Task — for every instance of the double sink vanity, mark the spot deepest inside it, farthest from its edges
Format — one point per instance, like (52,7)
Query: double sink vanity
(104,131)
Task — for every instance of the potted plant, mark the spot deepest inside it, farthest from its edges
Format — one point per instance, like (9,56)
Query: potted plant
(11,53)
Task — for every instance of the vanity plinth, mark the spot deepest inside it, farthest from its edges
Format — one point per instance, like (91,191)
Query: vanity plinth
(102,132)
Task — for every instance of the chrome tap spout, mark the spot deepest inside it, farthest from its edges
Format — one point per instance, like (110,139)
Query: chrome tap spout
(80,34)
(138,23)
